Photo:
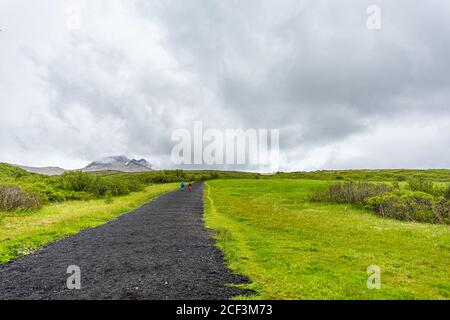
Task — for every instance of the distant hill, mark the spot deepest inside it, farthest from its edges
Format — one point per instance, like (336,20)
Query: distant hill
(119,163)
(8,171)
(49,171)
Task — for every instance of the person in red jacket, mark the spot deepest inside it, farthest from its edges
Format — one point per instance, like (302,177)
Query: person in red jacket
(190,186)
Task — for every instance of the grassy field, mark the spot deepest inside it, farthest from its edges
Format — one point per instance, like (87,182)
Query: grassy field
(293,249)
(23,232)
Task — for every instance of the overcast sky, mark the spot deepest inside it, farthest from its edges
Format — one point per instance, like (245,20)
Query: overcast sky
(342,95)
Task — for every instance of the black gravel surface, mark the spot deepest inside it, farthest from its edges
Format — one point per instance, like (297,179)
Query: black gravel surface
(159,251)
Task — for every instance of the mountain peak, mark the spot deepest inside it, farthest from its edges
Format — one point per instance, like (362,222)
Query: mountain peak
(119,163)
(113,159)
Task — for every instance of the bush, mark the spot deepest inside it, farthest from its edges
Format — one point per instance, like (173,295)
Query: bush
(76,181)
(84,184)
(391,202)
(350,192)
(442,211)
(446,194)
(99,188)
(421,184)
(14,198)
(411,206)
(109,198)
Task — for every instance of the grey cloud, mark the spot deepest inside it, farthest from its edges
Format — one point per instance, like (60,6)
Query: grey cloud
(310,68)
(308,62)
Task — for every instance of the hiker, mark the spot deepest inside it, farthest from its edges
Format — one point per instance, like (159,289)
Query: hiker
(182,186)
(190,186)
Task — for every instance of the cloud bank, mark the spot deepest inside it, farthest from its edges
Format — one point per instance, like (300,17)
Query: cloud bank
(343,96)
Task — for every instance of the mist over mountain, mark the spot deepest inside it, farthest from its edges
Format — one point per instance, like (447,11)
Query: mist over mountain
(119,163)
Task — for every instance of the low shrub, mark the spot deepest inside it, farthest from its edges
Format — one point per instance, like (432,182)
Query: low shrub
(109,198)
(421,184)
(98,187)
(411,206)
(392,201)
(446,194)
(395,185)
(442,211)
(15,198)
(350,192)
(76,181)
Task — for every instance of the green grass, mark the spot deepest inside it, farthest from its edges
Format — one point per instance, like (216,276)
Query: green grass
(22,233)
(292,249)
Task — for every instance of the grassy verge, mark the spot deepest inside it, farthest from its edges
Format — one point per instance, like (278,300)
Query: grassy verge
(22,233)
(293,249)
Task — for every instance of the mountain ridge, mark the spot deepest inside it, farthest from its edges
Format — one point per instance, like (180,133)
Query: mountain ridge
(119,163)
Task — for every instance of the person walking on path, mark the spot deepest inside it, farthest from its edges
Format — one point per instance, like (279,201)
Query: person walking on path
(190,186)
(182,186)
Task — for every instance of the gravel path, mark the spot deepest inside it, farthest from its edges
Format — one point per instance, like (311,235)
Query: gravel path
(159,251)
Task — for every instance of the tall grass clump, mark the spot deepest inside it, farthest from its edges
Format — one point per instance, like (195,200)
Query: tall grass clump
(15,198)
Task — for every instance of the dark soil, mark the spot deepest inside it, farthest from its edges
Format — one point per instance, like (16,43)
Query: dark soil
(159,251)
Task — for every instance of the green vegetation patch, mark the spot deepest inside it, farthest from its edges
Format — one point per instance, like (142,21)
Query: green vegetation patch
(419,200)
(77,185)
